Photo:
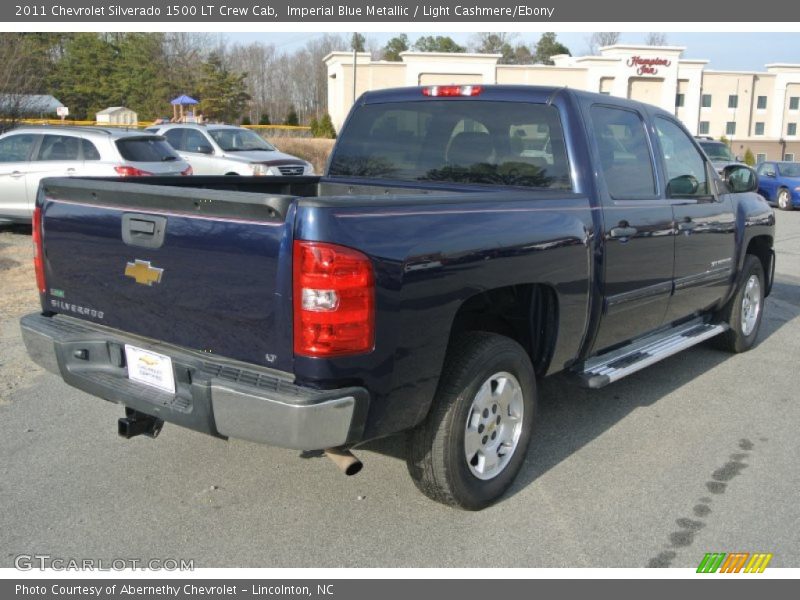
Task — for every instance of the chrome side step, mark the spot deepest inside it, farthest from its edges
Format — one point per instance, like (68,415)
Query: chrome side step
(607,368)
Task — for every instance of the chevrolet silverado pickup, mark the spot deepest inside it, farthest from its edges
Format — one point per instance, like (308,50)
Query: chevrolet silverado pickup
(464,242)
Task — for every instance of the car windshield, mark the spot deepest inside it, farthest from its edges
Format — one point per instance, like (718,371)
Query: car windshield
(789,169)
(239,140)
(717,151)
(465,141)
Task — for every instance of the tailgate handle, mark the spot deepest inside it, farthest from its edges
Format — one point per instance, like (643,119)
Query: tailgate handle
(146,231)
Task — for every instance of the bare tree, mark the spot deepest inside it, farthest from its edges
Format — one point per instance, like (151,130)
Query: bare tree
(20,77)
(656,38)
(600,39)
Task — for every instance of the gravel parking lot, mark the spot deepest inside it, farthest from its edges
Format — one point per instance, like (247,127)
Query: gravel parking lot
(696,454)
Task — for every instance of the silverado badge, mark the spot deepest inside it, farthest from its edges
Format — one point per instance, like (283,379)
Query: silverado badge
(142,272)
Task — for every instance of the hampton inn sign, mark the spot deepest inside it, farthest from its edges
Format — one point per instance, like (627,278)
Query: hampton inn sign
(648,66)
(756,110)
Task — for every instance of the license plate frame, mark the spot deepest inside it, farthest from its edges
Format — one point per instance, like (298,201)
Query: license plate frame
(150,368)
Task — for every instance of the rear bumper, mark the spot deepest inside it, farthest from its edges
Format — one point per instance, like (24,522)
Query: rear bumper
(213,395)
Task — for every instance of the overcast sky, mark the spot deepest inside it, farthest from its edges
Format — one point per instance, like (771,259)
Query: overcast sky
(726,51)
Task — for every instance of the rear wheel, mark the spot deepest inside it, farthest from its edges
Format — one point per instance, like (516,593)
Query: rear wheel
(784,199)
(473,442)
(744,311)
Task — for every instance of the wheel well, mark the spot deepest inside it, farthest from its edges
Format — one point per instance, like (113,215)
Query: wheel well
(526,313)
(761,248)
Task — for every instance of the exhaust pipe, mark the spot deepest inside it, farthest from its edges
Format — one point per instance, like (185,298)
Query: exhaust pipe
(137,423)
(345,460)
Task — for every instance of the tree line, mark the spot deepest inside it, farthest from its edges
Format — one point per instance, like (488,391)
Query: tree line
(255,82)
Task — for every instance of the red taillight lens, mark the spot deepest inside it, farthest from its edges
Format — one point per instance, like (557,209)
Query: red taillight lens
(450,91)
(125,171)
(334,300)
(187,170)
(38,249)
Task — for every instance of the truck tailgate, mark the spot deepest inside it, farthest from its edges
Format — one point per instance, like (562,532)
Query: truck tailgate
(204,269)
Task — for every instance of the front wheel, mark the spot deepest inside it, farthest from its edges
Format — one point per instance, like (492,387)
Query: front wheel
(784,199)
(471,446)
(744,311)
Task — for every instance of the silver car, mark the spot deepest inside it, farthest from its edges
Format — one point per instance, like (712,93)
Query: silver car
(230,150)
(28,154)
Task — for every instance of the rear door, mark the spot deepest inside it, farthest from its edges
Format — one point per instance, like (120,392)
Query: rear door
(58,155)
(637,234)
(16,195)
(704,219)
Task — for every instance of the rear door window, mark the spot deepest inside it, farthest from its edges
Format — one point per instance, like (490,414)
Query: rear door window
(59,147)
(89,150)
(145,149)
(464,141)
(624,153)
(17,148)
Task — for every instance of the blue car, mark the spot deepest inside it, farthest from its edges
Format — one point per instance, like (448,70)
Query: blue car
(779,183)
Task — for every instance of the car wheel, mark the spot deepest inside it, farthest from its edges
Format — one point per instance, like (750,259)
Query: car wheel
(744,311)
(784,199)
(473,442)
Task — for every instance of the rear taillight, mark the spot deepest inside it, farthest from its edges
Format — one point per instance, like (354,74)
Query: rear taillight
(126,171)
(38,249)
(187,170)
(334,300)
(451,91)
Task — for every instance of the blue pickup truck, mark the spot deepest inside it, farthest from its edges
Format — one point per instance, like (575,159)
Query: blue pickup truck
(465,242)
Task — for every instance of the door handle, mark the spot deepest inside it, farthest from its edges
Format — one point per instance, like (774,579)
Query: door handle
(70,170)
(686,225)
(17,174)
(623,232)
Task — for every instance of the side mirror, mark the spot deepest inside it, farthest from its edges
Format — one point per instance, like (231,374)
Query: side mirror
(683,185)
(204,150)
(740,179)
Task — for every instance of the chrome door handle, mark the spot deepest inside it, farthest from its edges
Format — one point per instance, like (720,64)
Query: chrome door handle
(686,225)
(623,232)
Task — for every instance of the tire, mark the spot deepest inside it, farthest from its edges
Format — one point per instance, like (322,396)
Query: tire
(744,323)
(784,199)
(478,369)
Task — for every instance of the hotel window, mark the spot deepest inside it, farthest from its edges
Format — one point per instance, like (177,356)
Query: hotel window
(760,157)
(761,103)
(733,101)
(759,128)
(791,129)
(680,99)
(794,102)
(730,128)
(705,101)
(788,157)
(704,128)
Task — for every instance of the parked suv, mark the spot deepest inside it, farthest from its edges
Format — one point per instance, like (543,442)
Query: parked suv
(719,153)
(230,150)
(28,154)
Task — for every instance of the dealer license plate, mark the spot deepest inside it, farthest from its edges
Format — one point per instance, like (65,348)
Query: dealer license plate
(150,368)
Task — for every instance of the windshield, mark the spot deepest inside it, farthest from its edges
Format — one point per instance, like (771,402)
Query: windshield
(239,140)
(455,141)
(789,169)
(717,151)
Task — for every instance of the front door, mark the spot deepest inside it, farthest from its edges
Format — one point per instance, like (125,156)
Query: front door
(704,220)
(637,235)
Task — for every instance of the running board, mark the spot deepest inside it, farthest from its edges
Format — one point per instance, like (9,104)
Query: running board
(607,368)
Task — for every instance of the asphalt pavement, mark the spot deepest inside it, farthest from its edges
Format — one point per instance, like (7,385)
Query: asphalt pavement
(696,454)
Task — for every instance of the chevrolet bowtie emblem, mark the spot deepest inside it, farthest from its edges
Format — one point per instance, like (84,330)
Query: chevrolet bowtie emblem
(142,272)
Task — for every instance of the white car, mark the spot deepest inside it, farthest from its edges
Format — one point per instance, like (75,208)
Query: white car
(28,154)
(230,150)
